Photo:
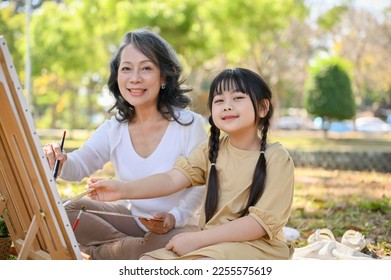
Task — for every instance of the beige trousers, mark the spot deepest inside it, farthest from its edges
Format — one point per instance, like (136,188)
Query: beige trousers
(108,237)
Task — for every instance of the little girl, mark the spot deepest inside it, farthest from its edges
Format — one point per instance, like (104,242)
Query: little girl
(249,181)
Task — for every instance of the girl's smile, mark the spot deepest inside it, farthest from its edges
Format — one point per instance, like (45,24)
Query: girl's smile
(232,111)
(229,117)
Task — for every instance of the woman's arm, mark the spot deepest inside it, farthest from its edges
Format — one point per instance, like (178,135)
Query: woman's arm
(94,153)
(149,187)
(243,229)
(188,207)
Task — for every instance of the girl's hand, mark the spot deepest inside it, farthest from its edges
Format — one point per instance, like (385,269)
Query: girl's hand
(185,242)
(105,189)
(162,223)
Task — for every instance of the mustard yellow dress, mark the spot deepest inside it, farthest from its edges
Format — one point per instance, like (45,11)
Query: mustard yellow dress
(235,170)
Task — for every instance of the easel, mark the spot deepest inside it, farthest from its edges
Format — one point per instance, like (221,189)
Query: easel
(29,200)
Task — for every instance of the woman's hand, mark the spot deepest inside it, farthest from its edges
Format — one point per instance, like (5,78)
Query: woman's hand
(52,152)
(161,223)
(185,242)
(105,189)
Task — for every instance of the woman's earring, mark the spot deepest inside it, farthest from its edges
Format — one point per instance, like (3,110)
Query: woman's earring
(163,86)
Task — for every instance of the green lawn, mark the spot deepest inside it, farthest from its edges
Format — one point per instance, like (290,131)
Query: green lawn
(337,200)
(343,200)
(344,142)
(334,199)
(298,140)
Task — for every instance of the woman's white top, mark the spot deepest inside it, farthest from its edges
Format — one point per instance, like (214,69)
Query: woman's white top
(111,142)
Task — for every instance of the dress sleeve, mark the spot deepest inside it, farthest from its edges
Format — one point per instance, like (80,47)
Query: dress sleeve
(273,209)
(195,166)
(92,156)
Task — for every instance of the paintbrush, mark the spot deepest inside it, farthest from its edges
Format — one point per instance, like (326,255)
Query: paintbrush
(121,215)
(77,197)
(57,164)
(82,208)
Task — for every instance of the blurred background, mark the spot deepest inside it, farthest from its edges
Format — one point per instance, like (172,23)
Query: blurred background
(328,61)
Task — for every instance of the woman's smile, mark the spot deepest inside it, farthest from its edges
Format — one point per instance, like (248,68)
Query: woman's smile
(136,91)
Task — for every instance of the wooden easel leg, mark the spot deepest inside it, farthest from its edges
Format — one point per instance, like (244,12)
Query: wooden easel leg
(31,233)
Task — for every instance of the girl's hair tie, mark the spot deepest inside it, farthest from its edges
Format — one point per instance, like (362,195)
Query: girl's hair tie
(213,163)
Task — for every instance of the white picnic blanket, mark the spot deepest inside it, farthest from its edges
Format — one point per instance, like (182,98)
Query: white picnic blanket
(322,245)
(328,250)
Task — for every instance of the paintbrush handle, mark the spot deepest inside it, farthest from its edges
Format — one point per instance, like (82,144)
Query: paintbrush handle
(75,225)
(120,214)
(77,197)
(57,163)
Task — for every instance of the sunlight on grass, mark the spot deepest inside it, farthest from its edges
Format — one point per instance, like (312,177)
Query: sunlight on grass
(315,141)
(69,189)
(337,200)
(333,199)
(342,200)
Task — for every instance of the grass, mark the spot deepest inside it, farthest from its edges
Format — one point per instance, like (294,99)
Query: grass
(298,140)
(333,199)
(343,200)
(344,142)
(337,200)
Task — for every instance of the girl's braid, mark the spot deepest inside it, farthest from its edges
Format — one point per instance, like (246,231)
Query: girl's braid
(212,194)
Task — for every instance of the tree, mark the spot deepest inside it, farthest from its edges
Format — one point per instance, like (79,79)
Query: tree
(367,45)
(70,51)
(329,92)
(11,28)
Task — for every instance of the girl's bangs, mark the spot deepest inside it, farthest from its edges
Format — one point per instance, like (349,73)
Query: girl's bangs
(229,81)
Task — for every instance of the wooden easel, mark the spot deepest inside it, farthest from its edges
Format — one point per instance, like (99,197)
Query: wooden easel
(29,200)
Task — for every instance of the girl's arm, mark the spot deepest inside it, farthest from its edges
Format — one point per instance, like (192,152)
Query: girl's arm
(243,229)
(149,187)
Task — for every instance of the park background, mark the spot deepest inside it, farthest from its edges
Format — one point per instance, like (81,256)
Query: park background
(62,50)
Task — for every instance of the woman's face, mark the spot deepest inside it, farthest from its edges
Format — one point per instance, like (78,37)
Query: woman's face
(139,79)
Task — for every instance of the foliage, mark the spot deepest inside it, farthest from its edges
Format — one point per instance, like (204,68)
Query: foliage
(329,92)
(332,17)
(3,228)
(277,38)
(11,27)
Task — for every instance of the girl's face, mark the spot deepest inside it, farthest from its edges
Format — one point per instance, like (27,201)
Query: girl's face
(233,112)
(139,79)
